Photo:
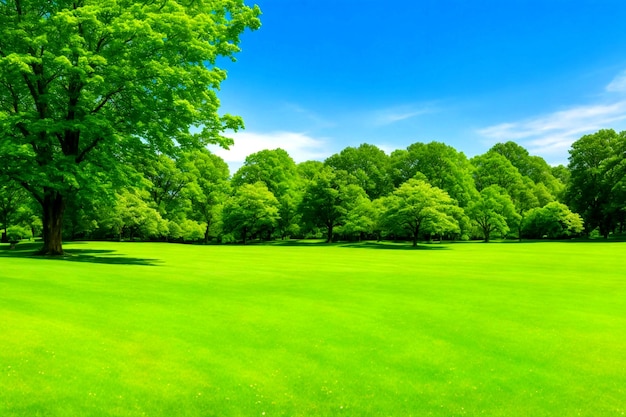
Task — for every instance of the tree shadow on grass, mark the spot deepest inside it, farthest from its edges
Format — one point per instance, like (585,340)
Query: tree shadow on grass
(612,239)
(359,245)
(394,246)
(301,243)
(97,256)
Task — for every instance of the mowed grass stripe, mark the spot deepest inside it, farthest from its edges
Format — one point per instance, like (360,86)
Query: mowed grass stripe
(298,330)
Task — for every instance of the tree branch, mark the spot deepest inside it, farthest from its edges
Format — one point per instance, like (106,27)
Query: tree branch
(106,99)
(88,149)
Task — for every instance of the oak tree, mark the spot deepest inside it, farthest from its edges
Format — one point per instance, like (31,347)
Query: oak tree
(493,211)
(86,84)
(417,207)
(252,209)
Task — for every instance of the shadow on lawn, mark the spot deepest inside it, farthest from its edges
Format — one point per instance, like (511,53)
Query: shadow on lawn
(97,256)
(359,245)
(389,246)
(612,239)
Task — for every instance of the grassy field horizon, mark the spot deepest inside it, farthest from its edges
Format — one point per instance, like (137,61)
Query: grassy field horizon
(363,329)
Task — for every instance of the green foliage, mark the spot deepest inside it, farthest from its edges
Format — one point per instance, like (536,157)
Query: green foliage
(554,221)
(14,203)
(308,169)
(190,190)
(561,173)
(328,198)
(533,167)
(17,232)
(360,217)
(369,167)
(493,211)
(133,217)
(598,173)
(441,165)
(168,184)
(493,168)
(277,170)
(253,209)
(88,86)
(417,207)
(186,230)
(209,189)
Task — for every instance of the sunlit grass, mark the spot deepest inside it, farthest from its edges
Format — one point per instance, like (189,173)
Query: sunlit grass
(531,329)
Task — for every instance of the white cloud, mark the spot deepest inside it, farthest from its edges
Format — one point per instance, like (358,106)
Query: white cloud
(300,146)
(397,114)
(551,135)
(618,84)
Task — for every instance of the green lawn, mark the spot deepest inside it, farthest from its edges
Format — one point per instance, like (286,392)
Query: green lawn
(146,329)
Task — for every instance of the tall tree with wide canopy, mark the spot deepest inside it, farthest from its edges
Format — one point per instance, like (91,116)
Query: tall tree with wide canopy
(492,168)
(369,167)
(250,210)
(86,83)
(417,206)
(210,187)
(327,200)
(278,171)
(533,167)
(597,164)
(495,169)
(493,211)
(442,165)
(167,184)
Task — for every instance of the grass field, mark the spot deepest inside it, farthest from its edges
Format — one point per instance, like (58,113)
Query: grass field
(468,329)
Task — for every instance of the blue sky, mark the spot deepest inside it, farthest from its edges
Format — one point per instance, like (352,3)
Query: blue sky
(321,75)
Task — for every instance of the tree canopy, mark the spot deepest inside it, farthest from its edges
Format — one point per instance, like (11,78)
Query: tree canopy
(598,175)
(89,85)
(417,206)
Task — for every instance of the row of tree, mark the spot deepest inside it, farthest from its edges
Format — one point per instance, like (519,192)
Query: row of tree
(106,109)
(428,190)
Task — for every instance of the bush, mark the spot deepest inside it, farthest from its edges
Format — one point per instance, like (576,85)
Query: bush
(16,233)
(554,221)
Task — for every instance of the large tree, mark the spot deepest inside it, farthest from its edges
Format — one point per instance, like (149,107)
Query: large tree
(533,167)
(554,220)
(252,209)
(86,83)
(278,171)
(442,166)
(369,167)
(597,164)
(210,188)
(327,200)
(493,211)
(417,207)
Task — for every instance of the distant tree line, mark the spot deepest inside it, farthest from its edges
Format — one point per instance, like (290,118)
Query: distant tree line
(426,191)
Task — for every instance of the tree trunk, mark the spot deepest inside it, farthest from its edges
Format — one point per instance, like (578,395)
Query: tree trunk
(206,233)
(329,237)
(416,235)
(53,206)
